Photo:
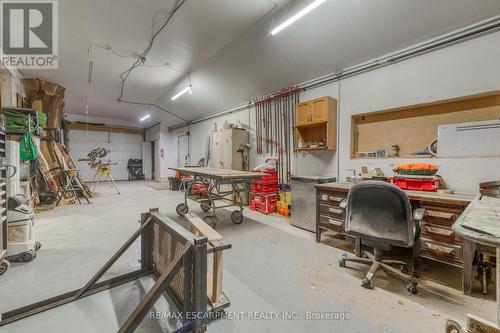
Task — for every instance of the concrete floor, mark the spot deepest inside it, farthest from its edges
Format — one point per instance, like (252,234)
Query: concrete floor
(272,267)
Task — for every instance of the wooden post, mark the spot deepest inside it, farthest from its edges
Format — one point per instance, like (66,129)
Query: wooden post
(217,276)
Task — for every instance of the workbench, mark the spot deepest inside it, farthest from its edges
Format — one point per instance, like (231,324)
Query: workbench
(210,185)
(480,223)
(438,242)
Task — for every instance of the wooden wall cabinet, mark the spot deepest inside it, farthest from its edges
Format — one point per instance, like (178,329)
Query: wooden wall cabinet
(316,124)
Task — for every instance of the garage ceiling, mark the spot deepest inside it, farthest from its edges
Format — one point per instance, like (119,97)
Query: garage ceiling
(226,46)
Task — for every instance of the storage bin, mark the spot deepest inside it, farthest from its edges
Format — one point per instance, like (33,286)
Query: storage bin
(174,183)
(264,203)
(429,184)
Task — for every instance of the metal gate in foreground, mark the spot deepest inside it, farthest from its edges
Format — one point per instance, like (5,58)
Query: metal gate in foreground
(177,259)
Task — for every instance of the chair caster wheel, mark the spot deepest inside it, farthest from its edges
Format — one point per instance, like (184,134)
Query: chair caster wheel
(38,246)
(404,269)
(412,288)
(452,326)
(365,283)
(182,209)
(341,263)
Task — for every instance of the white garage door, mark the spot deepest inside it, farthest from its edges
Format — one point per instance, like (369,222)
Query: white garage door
(121,147)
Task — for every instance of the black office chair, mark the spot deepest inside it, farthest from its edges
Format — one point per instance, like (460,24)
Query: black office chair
(381,215)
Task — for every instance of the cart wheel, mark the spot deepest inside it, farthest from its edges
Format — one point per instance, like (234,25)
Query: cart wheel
(205,207)
(4,266)
(38,246)
(211,220)
(412,288)
(182,209)
(452,326)
(237,217)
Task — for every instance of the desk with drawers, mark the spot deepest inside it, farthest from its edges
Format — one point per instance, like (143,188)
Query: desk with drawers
(437,241)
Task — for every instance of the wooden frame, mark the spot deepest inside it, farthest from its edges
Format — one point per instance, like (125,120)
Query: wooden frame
(193,255)
(441,107)
(103,128)
(216,247)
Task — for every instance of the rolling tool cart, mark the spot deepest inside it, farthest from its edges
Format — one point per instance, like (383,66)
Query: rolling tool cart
(211,186)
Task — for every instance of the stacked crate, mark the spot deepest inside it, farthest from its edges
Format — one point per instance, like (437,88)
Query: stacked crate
(264,192)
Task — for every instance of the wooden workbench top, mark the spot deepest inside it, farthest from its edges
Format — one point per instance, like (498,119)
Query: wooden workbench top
(458,198)
(480,221)
(219,173)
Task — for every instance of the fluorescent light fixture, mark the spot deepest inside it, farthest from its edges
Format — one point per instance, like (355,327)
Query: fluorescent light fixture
(145,117)
(182,92)
(297,16)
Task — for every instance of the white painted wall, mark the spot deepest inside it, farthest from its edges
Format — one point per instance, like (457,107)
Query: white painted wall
(10,86)
(463,69)
(122,146)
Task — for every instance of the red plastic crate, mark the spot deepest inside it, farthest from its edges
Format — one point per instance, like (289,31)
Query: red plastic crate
(265,189)
(263,203)
(430,184)
(199,189)
(267,180)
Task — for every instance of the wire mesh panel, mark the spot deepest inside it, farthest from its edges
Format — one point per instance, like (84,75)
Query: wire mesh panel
(164,251)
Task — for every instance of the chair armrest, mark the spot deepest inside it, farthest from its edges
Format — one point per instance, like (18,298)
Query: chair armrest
(419,214)
(343,204)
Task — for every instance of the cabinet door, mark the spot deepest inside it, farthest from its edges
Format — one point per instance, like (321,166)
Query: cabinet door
(302,113)
(226,145)
(319,110)
(216,153)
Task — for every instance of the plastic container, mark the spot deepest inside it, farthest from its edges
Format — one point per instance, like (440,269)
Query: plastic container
(174,183)
(264,203)
(199,189)
(429,184)
(264,189)
(20,232)
(282,208)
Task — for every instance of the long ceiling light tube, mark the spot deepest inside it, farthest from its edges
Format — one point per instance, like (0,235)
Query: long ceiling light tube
(182,92)
(313,5)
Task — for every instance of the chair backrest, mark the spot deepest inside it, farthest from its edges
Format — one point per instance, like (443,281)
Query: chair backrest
(380,213)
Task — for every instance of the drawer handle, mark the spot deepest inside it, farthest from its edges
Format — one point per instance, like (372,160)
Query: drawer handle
(326,197)
(442,215)
(336,222)
(439,231)
(335,210)
(441,249)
